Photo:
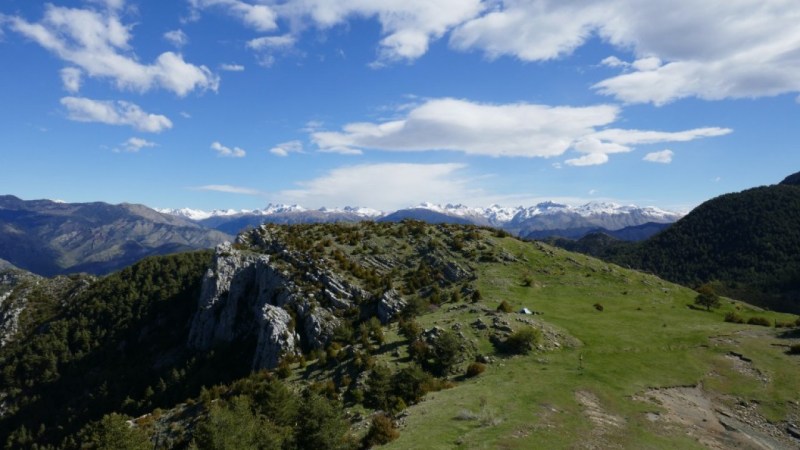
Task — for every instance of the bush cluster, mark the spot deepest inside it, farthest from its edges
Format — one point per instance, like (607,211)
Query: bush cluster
(734,317)
(523,341)
(762,321)
(505,307)
(475,369)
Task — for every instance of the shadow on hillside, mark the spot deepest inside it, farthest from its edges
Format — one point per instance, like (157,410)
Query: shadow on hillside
(790,334)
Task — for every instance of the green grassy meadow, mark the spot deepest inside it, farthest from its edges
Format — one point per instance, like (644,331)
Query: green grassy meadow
(647,336)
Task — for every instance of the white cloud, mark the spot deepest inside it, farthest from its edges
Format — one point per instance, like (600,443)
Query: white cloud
(83,109)
(228,189)
(662,157)
(133,145)
(98,43)
(386,186)
(408,26)
(228,152)
(71,78)
(536,30)
(589,159)
(110,4)
(518,129)
(257,17)
(185,115)
(177,38)
(613,61)
(506,130)
(271,42)
(287,147)
(714,49)
(647,64)
(232,67)
(634,137)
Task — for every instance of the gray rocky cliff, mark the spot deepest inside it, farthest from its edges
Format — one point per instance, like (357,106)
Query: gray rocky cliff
(281,300)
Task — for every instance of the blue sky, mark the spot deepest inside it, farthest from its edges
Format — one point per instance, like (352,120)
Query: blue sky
(237,103)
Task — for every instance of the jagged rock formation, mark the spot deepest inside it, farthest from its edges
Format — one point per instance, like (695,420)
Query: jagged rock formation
(389,305)
(248,295)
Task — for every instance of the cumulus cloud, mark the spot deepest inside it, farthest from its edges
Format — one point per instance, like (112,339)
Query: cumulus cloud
(505,130)
(287,147)
(97,43)
(386,186)
(662,157)
(255,16)
(228,152)
(228,189)
(133,145)
(232,67)
(536,30)
(712,50)
(518,129)
(119,112)
(408,26)
(71,78)
(177,38)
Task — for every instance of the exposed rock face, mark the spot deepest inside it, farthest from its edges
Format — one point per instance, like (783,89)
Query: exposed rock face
(242,295)
(18,286)
(9,318)
(13,299)
(253,295)
(319,325)
(275,337)
(389,305)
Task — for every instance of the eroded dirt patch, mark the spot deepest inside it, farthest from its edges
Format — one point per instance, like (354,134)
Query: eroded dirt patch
(704,417)
(604,423)
(745,366)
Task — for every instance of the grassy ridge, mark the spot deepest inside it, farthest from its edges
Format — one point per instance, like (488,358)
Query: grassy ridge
(645,337)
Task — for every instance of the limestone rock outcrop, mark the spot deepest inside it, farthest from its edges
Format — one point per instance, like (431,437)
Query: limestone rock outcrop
(281,299)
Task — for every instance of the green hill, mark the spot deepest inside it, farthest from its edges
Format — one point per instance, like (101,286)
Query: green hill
(747,244)
(608,357)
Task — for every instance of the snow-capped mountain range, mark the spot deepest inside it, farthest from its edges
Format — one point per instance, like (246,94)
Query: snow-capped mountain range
(271,209)
(519,220)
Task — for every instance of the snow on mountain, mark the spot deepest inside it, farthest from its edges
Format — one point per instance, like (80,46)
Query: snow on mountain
(496,215)
(188,213)
(601,208)
(270,209)
(356,210)
(279,209)
(540,209)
